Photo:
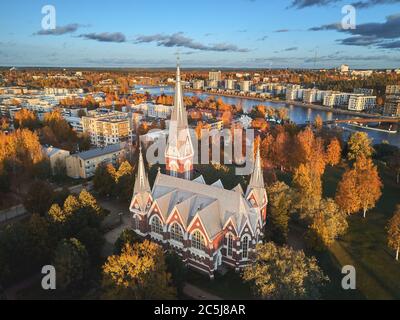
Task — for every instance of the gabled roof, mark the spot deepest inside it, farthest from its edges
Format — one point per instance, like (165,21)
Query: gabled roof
(218,184)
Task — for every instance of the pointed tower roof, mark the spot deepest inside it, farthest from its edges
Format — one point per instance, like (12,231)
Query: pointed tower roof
(179,112)
(256,186)
(141,182)
(257,178)
(179,140)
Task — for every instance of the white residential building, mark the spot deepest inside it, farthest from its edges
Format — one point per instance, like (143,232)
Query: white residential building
(360,103)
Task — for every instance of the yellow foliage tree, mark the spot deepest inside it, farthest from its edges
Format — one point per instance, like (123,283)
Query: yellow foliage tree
(139,272)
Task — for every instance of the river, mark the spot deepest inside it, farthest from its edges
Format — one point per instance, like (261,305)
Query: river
(297,113)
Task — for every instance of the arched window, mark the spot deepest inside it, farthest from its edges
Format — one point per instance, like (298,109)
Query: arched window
(137,223)
(173,169)
(156,225)
(230,245)
(245,247)
(198,241)
(187,170)
(176,233)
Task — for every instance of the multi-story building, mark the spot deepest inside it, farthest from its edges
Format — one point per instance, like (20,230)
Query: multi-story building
(393,89)
(215,75)
(245,85)
(344,68)
(83,165)
(337,99)
(294,92)
(360,103)
(159,111)
(56,156)
(230,84)
(207,225)
(364,91)
(198,84)
(392,106)
(108,127)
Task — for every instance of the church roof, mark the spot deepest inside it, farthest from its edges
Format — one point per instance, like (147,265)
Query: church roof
(213,204)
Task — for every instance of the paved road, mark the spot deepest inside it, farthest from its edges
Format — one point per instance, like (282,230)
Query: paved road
(198,294)
(19,211)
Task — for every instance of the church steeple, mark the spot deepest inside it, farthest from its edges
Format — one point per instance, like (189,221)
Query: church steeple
(141,191)
(257,177)
(179,151)
(256,193)
(142,182)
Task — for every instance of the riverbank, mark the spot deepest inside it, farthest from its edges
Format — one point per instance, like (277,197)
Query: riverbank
(295,103)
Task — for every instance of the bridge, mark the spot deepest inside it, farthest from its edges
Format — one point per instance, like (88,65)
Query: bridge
(364,120)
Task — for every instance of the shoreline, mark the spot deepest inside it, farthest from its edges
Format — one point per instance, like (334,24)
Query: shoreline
(295,103)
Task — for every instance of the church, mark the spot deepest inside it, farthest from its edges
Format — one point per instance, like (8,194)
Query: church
(209,226)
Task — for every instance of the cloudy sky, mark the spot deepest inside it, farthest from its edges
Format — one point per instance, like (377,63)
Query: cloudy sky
(207,33)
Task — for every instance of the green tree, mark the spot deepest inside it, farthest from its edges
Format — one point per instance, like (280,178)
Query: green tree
(39,197)
(124,181)
(280,200)
(104,179)
(24,248)
(72,265)
(127,236)
(284,273)
(177,269)
(139,272)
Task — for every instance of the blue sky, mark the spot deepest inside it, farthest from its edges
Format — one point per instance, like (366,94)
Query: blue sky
(223,33)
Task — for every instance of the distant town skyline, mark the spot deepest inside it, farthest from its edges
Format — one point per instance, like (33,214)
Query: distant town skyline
(223,34)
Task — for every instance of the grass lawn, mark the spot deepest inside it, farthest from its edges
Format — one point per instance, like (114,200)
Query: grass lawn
(364,246)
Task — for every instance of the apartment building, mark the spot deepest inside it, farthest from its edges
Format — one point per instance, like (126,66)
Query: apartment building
(392,106)
(108,127)
(361,102)
(83,165)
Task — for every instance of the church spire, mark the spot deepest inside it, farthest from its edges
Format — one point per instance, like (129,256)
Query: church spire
(179,152)
(141,182)
(179,112)
(257,178)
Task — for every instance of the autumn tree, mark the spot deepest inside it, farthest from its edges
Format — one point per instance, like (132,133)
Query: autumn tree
(318,122)
(360,187)
(369,185)
(280,200)
(308,191)
(26,119)
(393,231)
(346,195)
(139,272)
(284,273)
(359,145)
(124,181)
(333,152)
(328,223)
(72,264)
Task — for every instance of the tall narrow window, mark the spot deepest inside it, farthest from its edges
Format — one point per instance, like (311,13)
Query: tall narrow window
(176,233)
(198,241)
(156,225)
(230,245)
(245,247)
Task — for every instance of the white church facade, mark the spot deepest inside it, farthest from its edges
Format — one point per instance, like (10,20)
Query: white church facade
(207,225)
